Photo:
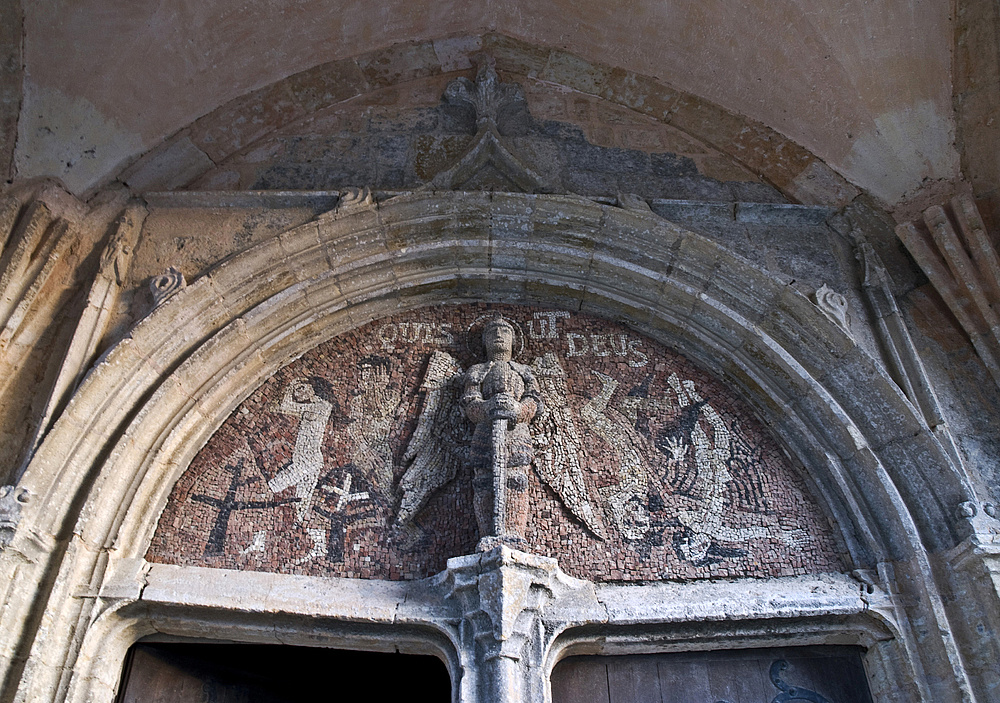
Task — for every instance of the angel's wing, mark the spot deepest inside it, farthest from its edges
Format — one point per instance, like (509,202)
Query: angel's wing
(557,445)
(439,443)
(745,463)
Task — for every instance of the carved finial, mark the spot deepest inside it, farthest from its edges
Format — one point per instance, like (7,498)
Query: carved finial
(491,99)
(834,306)
(165,285)
(966,510)
(356,197)
(631,201)
(11,501)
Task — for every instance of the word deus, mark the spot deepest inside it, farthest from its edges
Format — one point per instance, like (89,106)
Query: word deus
(605,345)
(396,333)
(544,326)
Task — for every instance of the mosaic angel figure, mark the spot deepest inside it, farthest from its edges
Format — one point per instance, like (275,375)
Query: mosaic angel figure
(512,415)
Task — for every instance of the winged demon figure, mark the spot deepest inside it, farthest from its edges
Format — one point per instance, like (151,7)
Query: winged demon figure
(515,422)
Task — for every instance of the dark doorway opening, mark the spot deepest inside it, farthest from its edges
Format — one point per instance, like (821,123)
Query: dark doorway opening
(248,673)
(813,674)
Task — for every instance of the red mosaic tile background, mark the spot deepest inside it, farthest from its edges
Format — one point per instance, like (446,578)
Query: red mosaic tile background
(683,482)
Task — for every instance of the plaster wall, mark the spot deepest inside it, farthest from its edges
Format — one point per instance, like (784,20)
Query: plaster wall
(866,87)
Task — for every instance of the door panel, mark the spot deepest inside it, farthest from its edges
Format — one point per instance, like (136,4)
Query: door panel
(833,674)
(216,673)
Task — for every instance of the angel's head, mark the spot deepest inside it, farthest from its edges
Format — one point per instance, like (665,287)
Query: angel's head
(498,339)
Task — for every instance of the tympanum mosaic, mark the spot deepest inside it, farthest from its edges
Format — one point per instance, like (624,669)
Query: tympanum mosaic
(366,458)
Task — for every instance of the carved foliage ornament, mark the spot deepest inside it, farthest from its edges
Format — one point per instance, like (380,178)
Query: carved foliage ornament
(489,162)
(833,305)
(11,500)
(491,99)
(165,285)
(389,449)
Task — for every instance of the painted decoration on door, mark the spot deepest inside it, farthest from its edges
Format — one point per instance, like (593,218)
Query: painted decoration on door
(436,432)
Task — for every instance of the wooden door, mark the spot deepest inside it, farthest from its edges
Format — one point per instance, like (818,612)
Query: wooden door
(211,673)
(812,674)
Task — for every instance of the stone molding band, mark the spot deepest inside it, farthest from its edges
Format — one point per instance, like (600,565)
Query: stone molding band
(154,399)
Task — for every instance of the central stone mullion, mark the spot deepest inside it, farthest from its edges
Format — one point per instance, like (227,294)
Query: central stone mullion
(502,594)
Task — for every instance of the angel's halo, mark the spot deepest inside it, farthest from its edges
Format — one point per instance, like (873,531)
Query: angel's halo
(474,336)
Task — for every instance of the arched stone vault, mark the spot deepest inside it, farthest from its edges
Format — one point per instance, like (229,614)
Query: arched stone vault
(157,396)
(200,153)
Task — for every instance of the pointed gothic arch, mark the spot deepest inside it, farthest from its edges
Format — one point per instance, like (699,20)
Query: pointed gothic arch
(156,398)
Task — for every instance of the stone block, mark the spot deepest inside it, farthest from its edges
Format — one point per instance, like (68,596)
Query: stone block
(455,53)
(787,216)
(818,184)
(877,529)
(760,379)
(714,324)
(367,280)
(690,212)
(172,165)
(751,192)
(550,292)
(645,244)
(800,328)
(244,120)
(399,63)
(641,93)
(574,72)
(433,153)
(590,182)
(223,179)
(344,251)
(870,397)
(541,155)
(695,264)
(744,288)
(414,120)
(665,165)
(766,152)
(675,305)
(722,167)
(584,156)
(693,188)
(924,475)
(516,56)
(565,220)
(390,152)
(327,84)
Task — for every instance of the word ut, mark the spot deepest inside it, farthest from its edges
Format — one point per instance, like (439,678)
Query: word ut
(545,326)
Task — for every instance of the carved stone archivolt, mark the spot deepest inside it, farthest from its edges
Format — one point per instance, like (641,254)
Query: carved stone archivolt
(952,246)
(390,449)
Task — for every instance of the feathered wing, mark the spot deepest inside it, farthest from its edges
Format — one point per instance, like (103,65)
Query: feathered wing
(745,466)
(439,443)
(557,445)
